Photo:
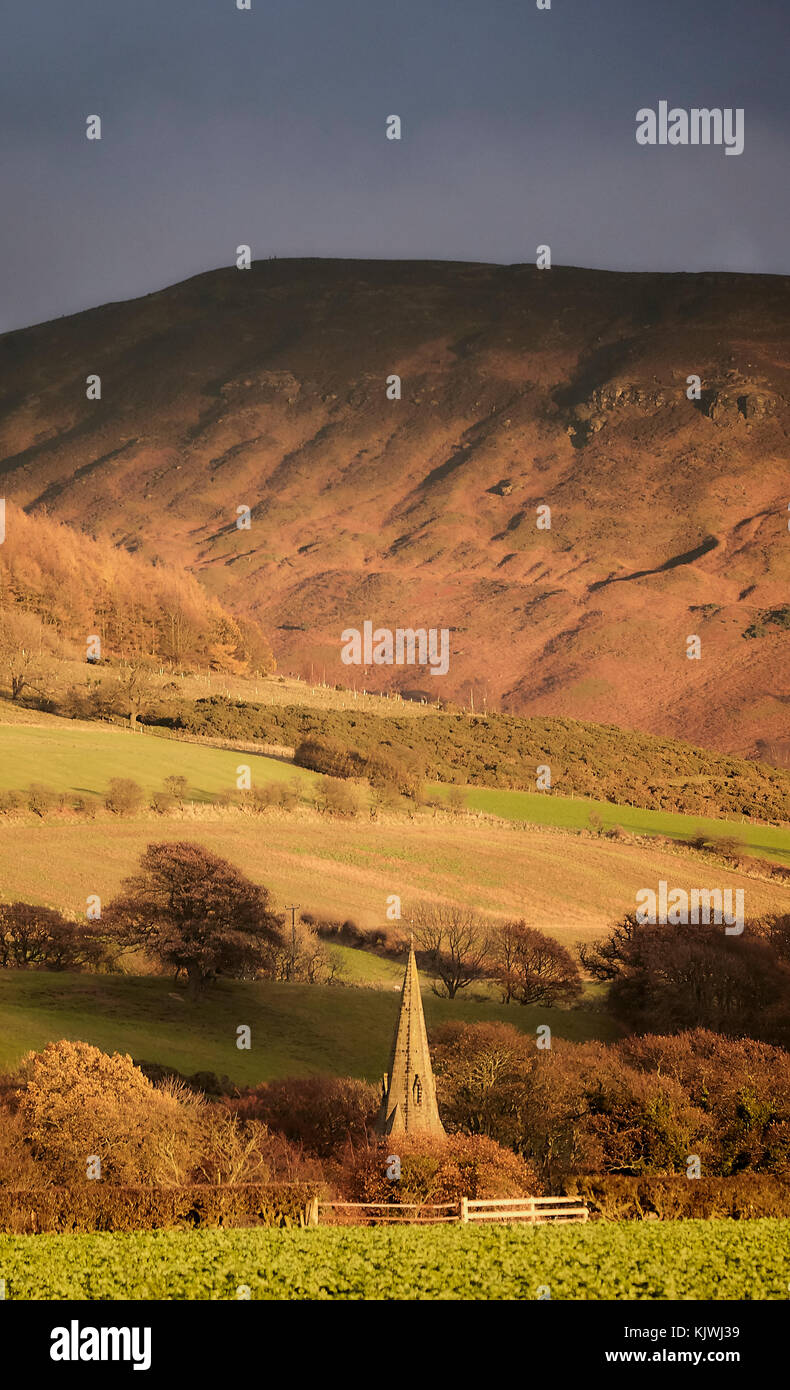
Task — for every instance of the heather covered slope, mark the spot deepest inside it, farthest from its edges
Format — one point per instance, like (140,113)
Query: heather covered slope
(520,388)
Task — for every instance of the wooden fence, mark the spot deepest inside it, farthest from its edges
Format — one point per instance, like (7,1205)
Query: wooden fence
(531,1209)
(534,1210)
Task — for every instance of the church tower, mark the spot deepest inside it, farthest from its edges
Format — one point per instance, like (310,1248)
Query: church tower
(408,1091)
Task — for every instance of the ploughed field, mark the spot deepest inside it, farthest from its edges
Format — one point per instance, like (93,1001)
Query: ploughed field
(714,1260)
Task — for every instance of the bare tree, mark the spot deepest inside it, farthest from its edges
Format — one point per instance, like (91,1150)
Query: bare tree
(532,967)
(503,958)
(454,943)
(133,691)
(27,649)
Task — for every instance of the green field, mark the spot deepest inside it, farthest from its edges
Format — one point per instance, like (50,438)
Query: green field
(364,968)
(297,1030)
(617,1260)
(539,808)
(81,758)
(78,758)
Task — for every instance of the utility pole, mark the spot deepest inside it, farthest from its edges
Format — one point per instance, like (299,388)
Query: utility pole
(292,907)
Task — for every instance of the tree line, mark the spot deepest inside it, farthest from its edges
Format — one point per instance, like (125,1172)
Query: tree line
(59,587)
(200,917)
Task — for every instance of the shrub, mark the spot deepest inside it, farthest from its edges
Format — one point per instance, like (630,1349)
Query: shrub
(677,1197)
(329,758)
(340,799)
(385,769)
(104,1207)
(124,796)
(435,1169)
(324,1113)
(77,1102)
(284,795)
(177,786)
(40,799)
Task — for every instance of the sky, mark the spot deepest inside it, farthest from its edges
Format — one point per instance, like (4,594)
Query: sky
(267,127)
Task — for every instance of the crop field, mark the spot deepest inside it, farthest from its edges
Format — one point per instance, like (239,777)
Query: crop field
(297,1030)
(660,1260)
(537,808)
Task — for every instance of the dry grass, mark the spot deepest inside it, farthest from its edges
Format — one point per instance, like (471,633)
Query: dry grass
(570,885)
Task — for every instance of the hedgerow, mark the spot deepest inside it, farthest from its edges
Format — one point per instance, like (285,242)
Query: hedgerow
(501,750)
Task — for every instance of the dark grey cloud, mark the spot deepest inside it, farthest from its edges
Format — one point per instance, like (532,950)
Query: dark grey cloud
(267,127)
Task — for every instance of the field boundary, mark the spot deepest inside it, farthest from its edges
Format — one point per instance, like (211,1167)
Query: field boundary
(534,1210)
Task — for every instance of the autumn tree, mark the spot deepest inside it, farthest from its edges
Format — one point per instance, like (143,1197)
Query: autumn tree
(665,978)
(608,956)
(77,1103)
(195,913)
(774,927)
(324,1113)
(133,691)
(453,942)
(138,608)
(531,967)
(434,1169)
(31,935)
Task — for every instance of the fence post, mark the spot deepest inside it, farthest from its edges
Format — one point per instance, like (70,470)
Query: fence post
(311,1212)
(464,1216)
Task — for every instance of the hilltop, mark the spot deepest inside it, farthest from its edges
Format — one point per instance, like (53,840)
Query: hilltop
(267,389)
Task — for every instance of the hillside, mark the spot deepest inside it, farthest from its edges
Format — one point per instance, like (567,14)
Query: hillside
(519,388)
(75,760)
(497,750)
(568,883)
(58,588)
(297,1030)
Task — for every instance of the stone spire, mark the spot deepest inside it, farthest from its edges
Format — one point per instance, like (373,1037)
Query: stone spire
(408,1091)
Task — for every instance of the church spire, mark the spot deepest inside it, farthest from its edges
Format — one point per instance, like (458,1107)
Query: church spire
(408,1092)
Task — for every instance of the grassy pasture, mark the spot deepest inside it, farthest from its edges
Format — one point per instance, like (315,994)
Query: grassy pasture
(297,1030)
(570,886)
(538,808)
(82,758)
(605,1260)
